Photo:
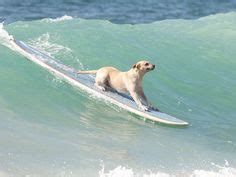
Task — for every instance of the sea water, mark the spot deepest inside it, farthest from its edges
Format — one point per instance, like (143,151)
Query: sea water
(117,11)
(51,128)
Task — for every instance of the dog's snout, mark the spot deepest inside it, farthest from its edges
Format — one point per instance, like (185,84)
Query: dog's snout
(153,67)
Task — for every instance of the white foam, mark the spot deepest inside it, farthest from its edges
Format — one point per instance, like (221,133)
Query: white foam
(4,174)
(117,172)
(59,19)
(128,172)
(5,38)
(224,172)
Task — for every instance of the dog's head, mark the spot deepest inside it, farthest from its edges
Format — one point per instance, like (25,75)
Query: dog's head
(143,66)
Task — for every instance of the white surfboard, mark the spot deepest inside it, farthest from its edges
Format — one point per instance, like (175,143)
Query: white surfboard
(86,83)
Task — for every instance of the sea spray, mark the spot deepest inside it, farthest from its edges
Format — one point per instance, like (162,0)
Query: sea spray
(43,44)
(59,19)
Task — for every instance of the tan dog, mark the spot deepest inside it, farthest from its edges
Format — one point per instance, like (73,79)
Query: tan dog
(128,82)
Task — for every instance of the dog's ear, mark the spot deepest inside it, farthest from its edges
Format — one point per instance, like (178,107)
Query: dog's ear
(134,66)
(138,66)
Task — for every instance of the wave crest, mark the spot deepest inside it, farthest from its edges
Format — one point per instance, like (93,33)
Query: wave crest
(59,19)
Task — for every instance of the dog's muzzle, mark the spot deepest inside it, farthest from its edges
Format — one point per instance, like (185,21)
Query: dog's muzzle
(153,67)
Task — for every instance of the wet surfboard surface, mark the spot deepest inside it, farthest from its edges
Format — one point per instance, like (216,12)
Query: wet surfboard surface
(86,83)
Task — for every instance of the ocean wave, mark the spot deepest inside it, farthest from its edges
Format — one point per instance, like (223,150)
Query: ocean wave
(196,69)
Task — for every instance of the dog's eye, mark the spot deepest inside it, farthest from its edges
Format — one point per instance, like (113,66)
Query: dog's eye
(146,64)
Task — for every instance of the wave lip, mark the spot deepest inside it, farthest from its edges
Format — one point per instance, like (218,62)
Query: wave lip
(59,19)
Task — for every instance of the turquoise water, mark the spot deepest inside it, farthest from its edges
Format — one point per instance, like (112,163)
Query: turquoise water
(50,128)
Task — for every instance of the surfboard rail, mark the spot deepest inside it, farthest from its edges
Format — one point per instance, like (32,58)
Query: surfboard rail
(86,83)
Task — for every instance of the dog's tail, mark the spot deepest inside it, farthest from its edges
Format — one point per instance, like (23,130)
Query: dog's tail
(87,72)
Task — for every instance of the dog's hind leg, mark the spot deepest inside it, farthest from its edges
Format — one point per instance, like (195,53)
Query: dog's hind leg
(100,86)
(101,82)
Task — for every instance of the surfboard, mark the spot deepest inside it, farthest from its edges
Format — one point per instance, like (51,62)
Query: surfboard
(86,83)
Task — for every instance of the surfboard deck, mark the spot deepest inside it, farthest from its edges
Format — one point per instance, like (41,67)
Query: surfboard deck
(86,83)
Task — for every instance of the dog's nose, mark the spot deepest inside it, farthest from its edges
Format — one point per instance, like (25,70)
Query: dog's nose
(153,66)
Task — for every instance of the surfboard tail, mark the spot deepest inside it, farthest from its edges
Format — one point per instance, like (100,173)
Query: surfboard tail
(87,72)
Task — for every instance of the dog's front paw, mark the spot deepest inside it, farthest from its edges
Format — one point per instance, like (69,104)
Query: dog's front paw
(143,108)
(154,108)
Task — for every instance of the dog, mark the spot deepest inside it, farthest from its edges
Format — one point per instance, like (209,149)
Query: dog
(126,82)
